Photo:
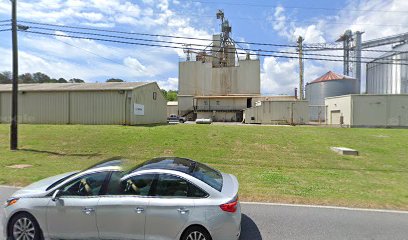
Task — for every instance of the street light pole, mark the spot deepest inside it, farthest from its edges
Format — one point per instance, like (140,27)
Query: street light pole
(14,100)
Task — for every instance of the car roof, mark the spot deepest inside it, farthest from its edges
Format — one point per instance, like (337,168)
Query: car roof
(184,165)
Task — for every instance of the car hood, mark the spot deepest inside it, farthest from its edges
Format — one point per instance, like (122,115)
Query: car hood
(38,189)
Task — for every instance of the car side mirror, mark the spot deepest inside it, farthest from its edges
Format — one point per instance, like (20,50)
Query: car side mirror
(55,195)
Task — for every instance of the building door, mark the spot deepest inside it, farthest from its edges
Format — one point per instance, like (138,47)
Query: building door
(239,116)
(249,102)
(335,117)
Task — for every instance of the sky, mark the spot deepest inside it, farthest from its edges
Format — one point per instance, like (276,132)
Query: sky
(277,22)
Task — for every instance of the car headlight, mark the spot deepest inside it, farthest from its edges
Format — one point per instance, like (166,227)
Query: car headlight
(11,201)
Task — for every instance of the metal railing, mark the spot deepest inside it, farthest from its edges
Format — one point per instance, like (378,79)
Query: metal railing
(211,108)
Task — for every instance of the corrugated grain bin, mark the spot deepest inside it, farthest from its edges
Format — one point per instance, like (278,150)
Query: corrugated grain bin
(329,85)
(390,78)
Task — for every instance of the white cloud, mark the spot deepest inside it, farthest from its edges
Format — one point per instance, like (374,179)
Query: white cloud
(169,84)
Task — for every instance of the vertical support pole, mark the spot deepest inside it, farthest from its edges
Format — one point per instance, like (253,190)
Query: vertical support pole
(14,100)
(300,50)
(357,60)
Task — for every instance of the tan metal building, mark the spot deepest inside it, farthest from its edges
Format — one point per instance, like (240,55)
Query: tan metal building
(278,112)
(218,84)
(172,108)
(361,110)
(129,103)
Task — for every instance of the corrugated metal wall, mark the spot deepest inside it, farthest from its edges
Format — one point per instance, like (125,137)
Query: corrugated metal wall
(388,78)
(86,107)
(155,110)
(101,107)
(278,112)
(37,107)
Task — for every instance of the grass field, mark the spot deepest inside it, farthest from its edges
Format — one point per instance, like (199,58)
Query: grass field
(277,164)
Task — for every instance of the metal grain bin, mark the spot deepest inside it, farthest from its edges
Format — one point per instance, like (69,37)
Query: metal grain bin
(329,85)
(389,78)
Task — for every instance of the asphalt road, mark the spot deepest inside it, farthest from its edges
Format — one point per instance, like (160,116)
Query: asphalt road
(276,222)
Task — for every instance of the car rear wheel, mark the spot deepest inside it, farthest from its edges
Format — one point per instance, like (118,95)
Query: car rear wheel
(196,233)
(24,226)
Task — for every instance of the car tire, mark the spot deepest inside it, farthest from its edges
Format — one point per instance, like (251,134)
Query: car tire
(196,233)
(24,223)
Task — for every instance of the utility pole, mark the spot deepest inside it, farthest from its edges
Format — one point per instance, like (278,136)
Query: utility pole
(14,100)
(300,50)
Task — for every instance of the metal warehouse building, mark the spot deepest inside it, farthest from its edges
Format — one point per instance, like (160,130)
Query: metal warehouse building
(278,112)
(358,110)
(129,103)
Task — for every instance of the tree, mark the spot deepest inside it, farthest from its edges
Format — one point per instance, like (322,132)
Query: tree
(61,80)
(170,95)
(76,80)
(26,78)
(39,77)
(5,77)
(114,80)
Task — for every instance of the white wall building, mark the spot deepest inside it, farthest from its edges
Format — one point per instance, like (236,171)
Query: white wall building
(358,110)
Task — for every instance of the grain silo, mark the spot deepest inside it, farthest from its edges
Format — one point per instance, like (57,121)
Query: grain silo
(386,74)
(329,85)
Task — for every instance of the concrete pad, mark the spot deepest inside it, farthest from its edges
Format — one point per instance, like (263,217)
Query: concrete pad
(344,151)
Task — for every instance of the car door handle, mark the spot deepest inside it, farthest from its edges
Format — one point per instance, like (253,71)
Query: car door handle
(139,210)
(88,211)
(183,210)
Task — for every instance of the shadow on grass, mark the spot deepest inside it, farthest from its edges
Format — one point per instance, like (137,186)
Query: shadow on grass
(249,230)
(61,154)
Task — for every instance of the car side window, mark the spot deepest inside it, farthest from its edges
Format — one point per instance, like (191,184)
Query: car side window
(88,185)
(137,185)
(173,186)
(196,192)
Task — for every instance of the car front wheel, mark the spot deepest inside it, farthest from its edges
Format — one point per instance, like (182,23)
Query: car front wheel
(24,226)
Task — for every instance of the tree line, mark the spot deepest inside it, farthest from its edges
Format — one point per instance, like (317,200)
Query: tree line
(38,77)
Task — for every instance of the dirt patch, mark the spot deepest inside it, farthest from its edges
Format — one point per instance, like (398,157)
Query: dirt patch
(20,166)
(168,152)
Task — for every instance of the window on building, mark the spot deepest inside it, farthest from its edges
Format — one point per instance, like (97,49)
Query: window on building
(218,103)
(154,95)
(205,103)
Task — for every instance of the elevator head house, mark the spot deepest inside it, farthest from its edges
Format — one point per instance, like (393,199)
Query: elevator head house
(128,103)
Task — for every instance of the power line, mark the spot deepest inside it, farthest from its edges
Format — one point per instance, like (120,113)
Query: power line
(6,20)
(306,48)
(192,44)
(175,47)
(4,30)
(297,7)
(152,35)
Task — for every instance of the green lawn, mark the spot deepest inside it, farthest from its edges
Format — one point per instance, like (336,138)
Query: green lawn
(279,164)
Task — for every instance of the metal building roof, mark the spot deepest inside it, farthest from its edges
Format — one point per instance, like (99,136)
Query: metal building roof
(34,87)
(330,76)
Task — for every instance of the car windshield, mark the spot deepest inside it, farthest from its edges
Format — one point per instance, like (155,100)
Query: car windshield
(60,181)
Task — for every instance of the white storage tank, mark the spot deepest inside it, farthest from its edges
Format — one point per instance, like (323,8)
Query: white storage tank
(329,85)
